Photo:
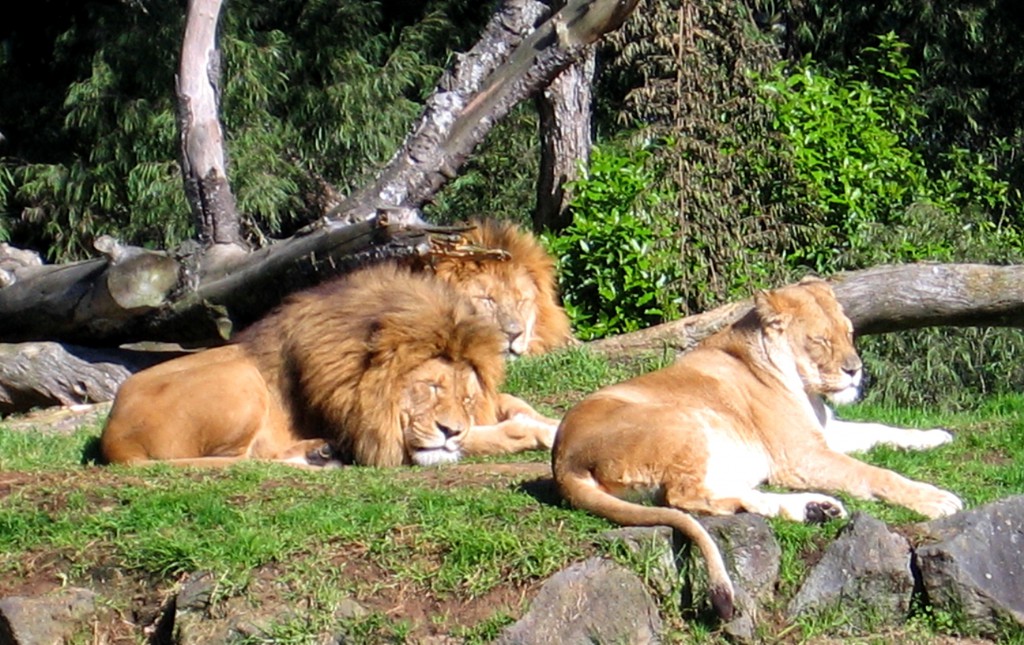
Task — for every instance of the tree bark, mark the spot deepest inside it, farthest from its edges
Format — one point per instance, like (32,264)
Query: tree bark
(46,374)
(565,111)
(203,156)
(509,64)
(878,300)
(134,294)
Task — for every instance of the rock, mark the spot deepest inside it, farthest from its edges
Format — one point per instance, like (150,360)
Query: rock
(196,591)
(972,564)
(595,601)
(654,547)
(43,620)
(865,571)
(752,556)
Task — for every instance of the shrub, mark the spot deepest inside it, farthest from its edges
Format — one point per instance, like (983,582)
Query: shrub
(615,262)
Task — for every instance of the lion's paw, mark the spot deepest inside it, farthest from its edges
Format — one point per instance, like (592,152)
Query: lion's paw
(821,512)
(811,508)
(542,429)
(934,502)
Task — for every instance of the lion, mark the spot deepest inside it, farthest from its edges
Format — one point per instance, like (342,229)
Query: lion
(741,409)
(519,291)
(380,367)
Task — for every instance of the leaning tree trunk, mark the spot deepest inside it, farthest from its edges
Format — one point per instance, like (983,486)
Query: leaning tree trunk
(481,92)
(203,156)
(564,108)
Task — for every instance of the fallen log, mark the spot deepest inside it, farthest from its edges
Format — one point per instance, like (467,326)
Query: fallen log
(878,300)
(132,294)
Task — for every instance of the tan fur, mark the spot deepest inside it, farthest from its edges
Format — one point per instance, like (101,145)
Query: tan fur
(520,292)
(741,409)
(387,366)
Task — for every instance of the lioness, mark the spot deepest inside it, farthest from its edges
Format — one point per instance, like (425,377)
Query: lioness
(520,291)
(386,366)
(741,409)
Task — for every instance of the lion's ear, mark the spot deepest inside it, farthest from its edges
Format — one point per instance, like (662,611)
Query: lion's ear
(815,282)
(768,313)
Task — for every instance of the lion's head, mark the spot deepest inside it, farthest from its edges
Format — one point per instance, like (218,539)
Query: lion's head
(386,363)
(806,328)
(519,293)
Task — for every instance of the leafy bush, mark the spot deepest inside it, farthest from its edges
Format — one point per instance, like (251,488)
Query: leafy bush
(856,142)
(614,260)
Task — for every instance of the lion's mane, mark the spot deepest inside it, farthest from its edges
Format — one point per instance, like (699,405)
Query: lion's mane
(337,354)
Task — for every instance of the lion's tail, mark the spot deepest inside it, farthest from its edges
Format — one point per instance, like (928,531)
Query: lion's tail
(583,492)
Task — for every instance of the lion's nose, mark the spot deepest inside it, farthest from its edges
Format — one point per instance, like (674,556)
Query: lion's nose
(852,365)
(449,431)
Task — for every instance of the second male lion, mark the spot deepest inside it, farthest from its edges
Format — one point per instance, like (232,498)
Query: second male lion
(385,366)
(741,409)
(519,292)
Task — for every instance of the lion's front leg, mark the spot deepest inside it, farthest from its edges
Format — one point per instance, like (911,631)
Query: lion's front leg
(519,427)
(851,436)
(854,436)
(833,471)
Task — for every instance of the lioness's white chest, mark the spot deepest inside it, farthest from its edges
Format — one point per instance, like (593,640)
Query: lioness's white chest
(733,464)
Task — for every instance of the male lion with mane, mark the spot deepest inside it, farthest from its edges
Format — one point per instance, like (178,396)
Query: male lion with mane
(384,366)
(519,291)
(741,409)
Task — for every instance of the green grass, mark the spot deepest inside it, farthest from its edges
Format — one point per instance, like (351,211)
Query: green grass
(456,542)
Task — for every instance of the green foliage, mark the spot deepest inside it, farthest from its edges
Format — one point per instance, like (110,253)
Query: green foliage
(854,142)
(614,263)
(687,76)
(848,142)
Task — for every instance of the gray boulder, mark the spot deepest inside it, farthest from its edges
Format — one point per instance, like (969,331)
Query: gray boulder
(865,572)
(656,548)
(752,556)
(972,564)
(41,620)
(594,601)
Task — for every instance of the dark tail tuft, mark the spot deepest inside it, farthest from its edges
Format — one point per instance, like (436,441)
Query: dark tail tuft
(721,600)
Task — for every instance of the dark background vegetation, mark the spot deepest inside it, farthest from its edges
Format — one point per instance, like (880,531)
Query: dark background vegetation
(738,145)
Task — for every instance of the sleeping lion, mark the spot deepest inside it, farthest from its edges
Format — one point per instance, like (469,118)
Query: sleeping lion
(741,409)
(383,365)
(519,291)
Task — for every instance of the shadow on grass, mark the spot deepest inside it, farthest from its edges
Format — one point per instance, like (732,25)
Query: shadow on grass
(542,489)
(91,453)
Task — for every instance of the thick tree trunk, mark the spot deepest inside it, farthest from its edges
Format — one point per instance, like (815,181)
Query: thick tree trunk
(565,110)
(203,156)
(509,64)
(879,300)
